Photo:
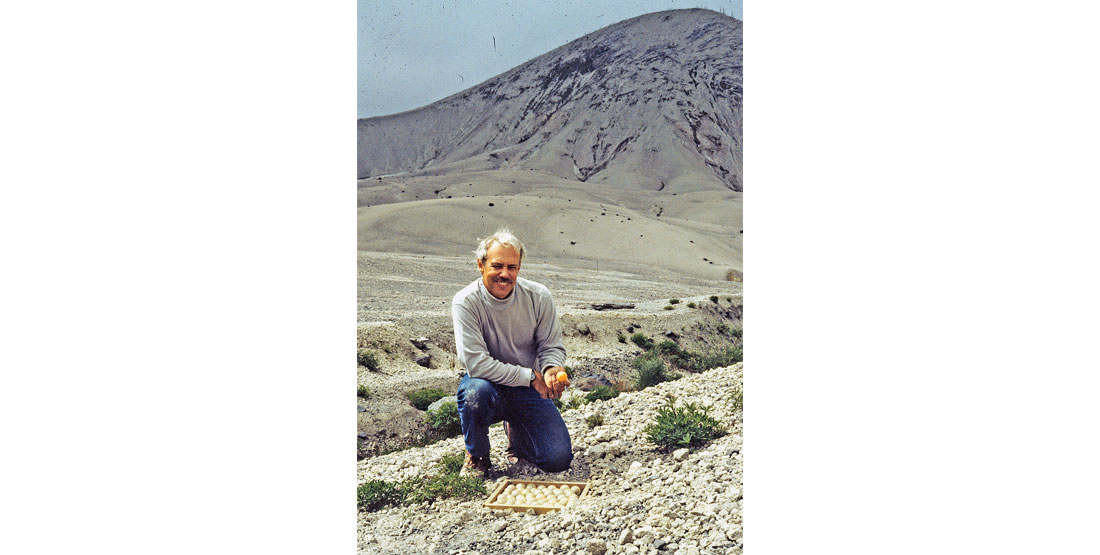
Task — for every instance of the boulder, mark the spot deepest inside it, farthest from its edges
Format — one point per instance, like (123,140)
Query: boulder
(439,403)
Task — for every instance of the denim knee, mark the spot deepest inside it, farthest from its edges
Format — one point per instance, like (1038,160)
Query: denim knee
(475,399)
(559,459)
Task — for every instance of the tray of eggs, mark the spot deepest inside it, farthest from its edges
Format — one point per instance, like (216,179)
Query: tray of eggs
(542,497)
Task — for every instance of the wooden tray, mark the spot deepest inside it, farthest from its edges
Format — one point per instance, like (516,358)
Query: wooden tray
(539,509)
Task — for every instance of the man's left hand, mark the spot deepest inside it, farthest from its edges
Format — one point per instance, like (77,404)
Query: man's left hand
(550,377)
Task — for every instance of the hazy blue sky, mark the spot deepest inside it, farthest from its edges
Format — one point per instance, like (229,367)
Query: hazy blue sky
(415,53)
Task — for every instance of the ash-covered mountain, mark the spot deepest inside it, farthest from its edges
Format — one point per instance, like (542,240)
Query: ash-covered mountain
(650,103)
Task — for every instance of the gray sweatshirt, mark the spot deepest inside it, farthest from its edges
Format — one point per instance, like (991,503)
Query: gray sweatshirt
(503,340)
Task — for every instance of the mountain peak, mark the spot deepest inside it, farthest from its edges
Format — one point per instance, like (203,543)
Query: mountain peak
(648,103)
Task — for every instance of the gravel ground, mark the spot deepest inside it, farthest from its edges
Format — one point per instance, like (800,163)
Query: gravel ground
(642,500)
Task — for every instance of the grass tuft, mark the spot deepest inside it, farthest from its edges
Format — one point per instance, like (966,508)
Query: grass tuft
(363,391)
(650,370)
(594,420)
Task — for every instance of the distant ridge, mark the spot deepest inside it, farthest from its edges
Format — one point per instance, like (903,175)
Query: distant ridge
(651,103)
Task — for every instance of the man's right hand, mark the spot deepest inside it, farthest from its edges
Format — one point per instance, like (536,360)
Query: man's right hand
(540,385)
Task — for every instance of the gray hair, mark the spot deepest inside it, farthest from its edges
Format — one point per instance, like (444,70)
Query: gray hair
(502,237)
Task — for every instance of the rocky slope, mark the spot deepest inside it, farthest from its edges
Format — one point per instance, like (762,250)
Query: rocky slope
(651,103)
(642,500)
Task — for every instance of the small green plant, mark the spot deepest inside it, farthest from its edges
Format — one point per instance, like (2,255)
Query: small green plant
(442,486)
(691,304)
(368,359)
(451,464)
(714,299)
(688,425)
(699,362)
(650,370)
(557,403)
(575,402)
(622,338)
(668,307)
(736,403)
(724,328)
(363,391)
(601,393)
(594,420)
(445,419)
(642,341)
(423,398)
(674,301)
(376,494)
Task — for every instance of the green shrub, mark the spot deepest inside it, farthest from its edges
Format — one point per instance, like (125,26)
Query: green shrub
(368,359)
(650,371)
(668,307)
(688,425)
(724,328)
(442,486)
(445,419)
(376,494)
(452,464)
(668,347)
(622,338)
(423,398)
(674,301)
(594,420)
(736,402)
(642,341)
(714,299)
(699,362)
(601,393)
(691,304)
(363,391)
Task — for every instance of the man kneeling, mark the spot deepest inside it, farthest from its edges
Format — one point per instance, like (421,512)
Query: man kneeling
(508,337)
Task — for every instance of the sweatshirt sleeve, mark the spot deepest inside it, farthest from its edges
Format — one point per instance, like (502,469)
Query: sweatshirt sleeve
(474,354)
(551,349)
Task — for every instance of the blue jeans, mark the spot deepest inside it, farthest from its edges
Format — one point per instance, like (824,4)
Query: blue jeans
(539,434)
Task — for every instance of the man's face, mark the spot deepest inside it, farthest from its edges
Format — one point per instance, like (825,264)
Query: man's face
(499,270)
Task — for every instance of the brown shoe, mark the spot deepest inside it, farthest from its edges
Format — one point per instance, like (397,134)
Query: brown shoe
(475,466)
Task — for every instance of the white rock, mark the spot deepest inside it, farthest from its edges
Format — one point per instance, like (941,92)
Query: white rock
(680,454)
